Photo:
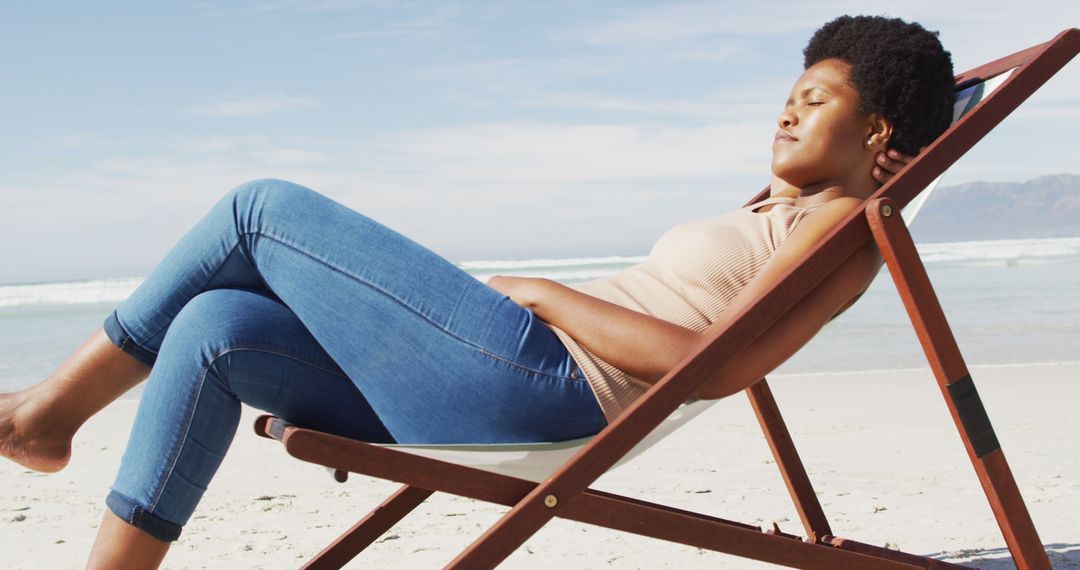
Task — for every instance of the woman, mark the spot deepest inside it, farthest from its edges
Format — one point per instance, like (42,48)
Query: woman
(292,303)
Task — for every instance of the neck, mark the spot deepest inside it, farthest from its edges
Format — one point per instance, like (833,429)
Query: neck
(821,192)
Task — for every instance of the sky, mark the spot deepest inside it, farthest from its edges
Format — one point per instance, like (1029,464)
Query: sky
(482,130)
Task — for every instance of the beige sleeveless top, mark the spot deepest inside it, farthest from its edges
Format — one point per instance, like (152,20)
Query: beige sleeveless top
(691,274)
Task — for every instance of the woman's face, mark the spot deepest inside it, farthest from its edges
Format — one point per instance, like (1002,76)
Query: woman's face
(822,139)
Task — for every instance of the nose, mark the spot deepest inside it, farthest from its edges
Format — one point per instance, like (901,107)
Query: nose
(787,118)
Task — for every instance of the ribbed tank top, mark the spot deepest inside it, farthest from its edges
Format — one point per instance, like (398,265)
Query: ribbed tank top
(690,276)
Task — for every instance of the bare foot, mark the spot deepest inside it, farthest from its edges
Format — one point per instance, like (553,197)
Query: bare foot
(20,443)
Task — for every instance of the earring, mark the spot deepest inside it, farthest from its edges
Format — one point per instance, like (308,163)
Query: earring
(869,141)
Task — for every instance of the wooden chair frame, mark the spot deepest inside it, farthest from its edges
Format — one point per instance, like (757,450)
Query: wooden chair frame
(567,494)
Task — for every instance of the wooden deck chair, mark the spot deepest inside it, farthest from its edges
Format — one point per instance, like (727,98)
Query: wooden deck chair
(535,461)
(535,496)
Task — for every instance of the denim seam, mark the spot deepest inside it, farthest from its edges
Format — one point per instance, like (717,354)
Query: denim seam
(183,439)
(261,233)
(190,482)
(515,364)
(278,353)
(132,508)
(128,338)
(134,512)
(204,448)
(297,358)
(225,385)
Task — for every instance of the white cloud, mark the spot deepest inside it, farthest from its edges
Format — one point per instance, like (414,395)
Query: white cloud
(507,152)
(215,143)
(744,103)
(523,70)
(688,21)
(721,54)
(253,105)
(974,20)
(664,134)
(439,21)
(261,9)
(334,5)
(1070,111)
(81,140)
(450,189)
(288,156)
(216,9)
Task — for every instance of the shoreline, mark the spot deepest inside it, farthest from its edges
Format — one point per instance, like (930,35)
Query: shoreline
(880,449)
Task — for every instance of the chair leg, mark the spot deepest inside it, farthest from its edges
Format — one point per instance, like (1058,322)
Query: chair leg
(787,459)
(370,528)
(956,385)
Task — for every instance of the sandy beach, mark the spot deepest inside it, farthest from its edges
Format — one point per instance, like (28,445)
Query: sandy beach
(880,448)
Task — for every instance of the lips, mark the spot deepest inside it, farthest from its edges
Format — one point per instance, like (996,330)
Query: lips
(782,136)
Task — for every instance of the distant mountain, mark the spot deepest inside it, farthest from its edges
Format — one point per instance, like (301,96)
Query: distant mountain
(1041,208)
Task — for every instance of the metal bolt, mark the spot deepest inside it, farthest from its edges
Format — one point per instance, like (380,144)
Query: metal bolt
(550,501)
(886,210)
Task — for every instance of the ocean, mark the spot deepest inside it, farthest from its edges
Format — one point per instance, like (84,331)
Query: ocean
(1009,302)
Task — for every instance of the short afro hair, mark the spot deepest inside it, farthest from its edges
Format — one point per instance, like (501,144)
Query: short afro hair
(900,70)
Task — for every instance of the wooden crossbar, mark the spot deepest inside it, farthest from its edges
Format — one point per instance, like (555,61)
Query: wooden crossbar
(423,475)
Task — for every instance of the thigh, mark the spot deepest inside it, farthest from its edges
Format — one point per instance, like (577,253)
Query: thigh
(364,290)
(359,287)
(449,392)
(418,335)
(421,338)
(432,388)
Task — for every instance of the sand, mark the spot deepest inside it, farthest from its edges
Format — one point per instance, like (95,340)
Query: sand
(880,448)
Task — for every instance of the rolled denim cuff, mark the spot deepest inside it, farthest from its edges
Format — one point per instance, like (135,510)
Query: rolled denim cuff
(137,516)
(120,337)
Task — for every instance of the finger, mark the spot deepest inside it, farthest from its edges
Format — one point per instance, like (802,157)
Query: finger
(880,174)
(901,157)
(889,165)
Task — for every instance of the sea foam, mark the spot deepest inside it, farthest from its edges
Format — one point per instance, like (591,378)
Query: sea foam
(1015,250)
(70,292)
(569,270)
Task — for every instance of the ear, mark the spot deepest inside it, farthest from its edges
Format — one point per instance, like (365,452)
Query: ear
(879,132)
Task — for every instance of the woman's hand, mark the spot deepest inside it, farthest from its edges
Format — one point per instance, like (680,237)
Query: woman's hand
(522,290)
(889,163)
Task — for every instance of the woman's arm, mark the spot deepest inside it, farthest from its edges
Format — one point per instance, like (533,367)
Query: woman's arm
(648,348)
(641,345)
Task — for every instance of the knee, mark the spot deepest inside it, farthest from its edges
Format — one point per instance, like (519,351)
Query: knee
(265,192)
(214,320)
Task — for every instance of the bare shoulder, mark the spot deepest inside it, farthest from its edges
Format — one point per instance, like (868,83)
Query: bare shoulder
(861,267)
(818,222)
(833,211)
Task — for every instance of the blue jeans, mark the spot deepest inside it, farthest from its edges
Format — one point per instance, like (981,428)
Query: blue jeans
(292,303)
